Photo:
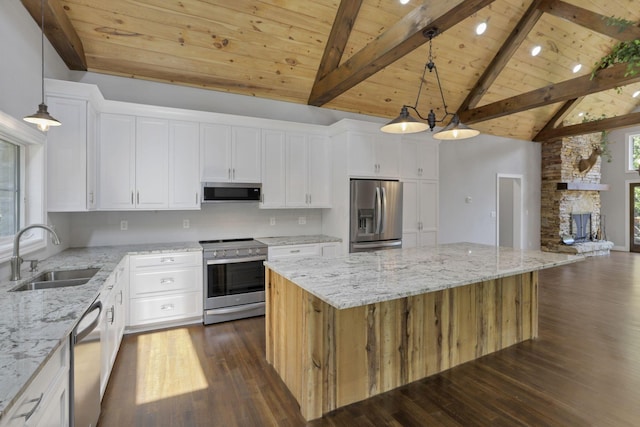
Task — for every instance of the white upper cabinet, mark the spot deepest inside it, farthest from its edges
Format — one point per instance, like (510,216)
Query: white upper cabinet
(152,163)
(71,156)
(373,155)
(308,177)
(320,172)
(117,153)
(273,169)
(148,163)
(419,157)
(230,153)
(184,165)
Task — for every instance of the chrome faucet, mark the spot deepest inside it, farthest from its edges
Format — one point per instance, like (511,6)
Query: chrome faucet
(16,261)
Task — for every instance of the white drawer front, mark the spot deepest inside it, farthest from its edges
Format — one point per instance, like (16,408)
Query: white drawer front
(167,259)
(167,280)
(161,308)
(276,252)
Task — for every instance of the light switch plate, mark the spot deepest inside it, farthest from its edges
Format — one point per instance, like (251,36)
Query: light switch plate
(124,225)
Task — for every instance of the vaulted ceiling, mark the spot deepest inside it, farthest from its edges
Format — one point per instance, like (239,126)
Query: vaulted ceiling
(367,56)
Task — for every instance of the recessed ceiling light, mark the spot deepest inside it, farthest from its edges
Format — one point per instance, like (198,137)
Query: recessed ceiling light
(481,28)
(404,1)
(636,94)
(580,114)
(536,50)
(577,68)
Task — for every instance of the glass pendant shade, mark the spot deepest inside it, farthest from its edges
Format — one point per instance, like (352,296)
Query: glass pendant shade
(404,123)
(42,118)
(456,130)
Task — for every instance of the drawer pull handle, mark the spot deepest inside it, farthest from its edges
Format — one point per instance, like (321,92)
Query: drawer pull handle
(166,307)
(111,315)
(28,415)
(167,259)
(166,280)
(295,251)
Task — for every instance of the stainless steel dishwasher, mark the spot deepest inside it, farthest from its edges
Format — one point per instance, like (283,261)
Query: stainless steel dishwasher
(84,380)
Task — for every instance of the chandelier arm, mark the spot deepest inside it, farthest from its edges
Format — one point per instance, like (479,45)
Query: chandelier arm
(446,112)
(415,106)
(416,111)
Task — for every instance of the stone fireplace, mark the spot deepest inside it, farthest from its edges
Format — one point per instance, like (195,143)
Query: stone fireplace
(570,197)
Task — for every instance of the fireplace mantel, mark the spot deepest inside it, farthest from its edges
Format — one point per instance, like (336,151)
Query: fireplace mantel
(582,186)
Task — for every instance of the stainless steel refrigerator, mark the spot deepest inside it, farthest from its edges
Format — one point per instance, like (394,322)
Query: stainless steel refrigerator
(376,215)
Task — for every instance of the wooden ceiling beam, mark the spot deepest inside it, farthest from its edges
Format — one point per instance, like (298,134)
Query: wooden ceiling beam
(400,39)
(605,79)
(59,31)
(590,20)
(339,36)
(504,54)
(628,120)
(560,115)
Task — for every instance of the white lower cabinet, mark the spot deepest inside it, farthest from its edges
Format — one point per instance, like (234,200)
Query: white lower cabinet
(305,250)
(165,288)
(419,213)
(113,320)
(46,401)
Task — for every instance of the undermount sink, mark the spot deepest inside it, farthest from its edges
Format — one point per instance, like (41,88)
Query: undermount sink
(58,279)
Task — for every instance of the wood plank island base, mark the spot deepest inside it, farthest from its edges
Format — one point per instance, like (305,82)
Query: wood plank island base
(343,329)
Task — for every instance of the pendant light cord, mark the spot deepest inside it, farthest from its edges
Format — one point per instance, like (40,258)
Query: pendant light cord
(42,45)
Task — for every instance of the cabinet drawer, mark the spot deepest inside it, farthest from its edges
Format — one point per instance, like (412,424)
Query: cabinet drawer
(32,403)
(161,308)
(279,252)
(167,280)
(167,259)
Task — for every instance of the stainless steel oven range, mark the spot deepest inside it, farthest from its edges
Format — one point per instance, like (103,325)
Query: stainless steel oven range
(233,279)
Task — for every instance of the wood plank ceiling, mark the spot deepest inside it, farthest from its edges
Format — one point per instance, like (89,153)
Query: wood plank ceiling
(276,49)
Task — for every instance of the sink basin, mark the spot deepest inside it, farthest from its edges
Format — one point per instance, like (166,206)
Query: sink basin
(58,279)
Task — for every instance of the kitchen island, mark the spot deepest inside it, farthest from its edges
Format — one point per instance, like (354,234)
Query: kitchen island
(340,330)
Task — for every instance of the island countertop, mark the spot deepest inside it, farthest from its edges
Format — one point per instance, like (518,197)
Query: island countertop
(364,278)
(33,324)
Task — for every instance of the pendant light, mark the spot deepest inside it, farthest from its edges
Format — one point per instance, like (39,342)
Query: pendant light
(42,118)
(404,123)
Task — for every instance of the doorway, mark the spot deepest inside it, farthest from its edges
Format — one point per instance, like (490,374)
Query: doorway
(509,211)
(634,217)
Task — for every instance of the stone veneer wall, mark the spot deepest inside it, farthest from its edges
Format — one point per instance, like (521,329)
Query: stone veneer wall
(560,164)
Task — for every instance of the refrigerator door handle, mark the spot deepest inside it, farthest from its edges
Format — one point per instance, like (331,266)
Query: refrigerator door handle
(383,221)
(378,212)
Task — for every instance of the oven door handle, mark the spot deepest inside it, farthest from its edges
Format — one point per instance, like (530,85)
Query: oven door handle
(236,261)
(236,308)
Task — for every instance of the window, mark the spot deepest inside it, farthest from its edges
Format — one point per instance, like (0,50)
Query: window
(633,153)
(22,158)
(9,189)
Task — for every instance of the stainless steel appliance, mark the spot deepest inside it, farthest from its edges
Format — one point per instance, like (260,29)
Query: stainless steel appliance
(233,279)
(84,378)
(230,192)
(376,215)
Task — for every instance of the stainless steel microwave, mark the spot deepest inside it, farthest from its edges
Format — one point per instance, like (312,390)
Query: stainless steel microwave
(214,192)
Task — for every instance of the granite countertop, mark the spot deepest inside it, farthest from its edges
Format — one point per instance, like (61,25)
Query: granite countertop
(297,240)
(33,324)
(363,278)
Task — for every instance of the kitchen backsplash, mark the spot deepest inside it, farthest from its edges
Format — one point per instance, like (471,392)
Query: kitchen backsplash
(215,221)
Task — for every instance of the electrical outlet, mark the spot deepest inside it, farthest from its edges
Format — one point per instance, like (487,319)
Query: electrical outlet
(124,225)
(302,220)
(185,223)
(272,220)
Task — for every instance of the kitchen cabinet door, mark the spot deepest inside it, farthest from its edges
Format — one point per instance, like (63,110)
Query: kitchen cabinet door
(67,156)
(116,152)
(362,161)
(419,213)
(320,172)
(297,161)
(419,157)
(92,158)
(152,163)
(273,169)
(215,152)
(246,157)
(184,164)
(387,153)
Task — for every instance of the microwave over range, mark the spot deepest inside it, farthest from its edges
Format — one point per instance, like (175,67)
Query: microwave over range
(214,192)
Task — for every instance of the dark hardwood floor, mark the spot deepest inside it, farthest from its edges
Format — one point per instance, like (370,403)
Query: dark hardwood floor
(583,370)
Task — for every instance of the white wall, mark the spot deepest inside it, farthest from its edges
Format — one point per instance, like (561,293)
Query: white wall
(469,168)
(615,200)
